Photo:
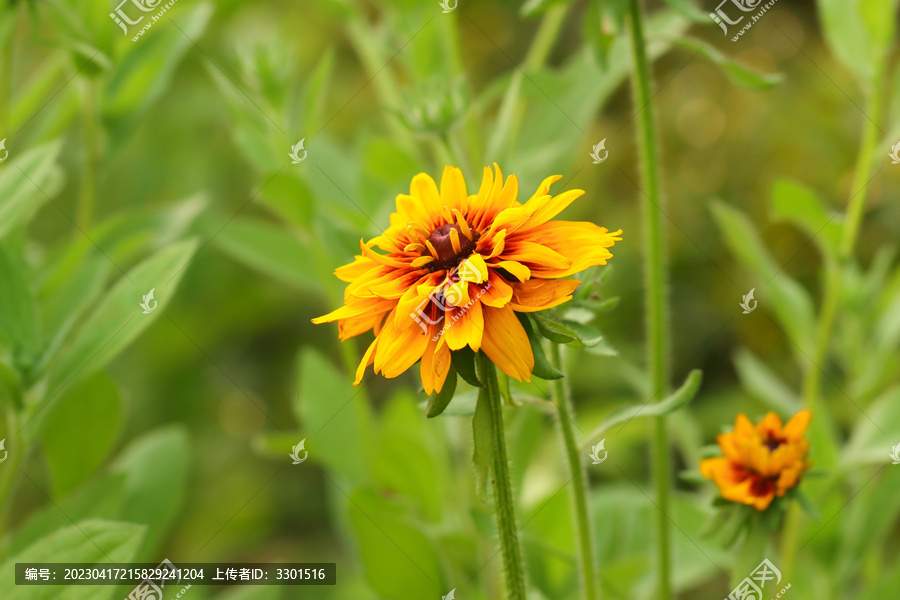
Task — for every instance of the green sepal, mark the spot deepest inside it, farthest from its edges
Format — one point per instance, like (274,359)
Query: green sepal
(542,366)
(438,401)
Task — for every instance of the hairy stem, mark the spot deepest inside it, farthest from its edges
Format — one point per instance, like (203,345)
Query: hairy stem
(581,514)
(503,494)
(655,286)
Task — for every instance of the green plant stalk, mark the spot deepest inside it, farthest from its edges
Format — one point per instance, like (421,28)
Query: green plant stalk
(655,288)
(503,494)
(582,516)
(752,551)
(834,276)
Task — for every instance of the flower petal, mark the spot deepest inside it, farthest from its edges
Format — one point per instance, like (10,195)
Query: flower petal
(506,343)
(537,294)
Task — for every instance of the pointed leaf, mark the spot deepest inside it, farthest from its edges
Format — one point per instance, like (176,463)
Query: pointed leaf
(438,401)
(554,330)
(739,74)
(118,319)
(678,399)
(464,362)
(542,366)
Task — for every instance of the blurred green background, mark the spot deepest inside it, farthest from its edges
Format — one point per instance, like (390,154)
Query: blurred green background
(163,162)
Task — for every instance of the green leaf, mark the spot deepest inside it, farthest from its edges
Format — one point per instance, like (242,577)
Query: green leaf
(317,91)
(462,405)
(482,432)
(798,204)
(399,560)
(739,74)
(438,401)
(880,20)
(763,384)
(409,460)
(289,198)
(687,9)
(19,321)
(464,362)
(270,250)
(791,303)
(27,181)
(553,330)
(119,318)
(80,430)
(854,34)
(64,300)
(155,467)
(88,542)
(807,505)
(328,408)
(542,366)
(533,8)
(681,397)
(873,435)
(146,72)
(97,499)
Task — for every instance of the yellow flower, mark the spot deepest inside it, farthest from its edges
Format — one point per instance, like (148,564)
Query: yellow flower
(761,461)
(454,269)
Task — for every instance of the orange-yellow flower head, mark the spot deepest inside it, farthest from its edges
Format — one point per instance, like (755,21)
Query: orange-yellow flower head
(761,461)
(452,269)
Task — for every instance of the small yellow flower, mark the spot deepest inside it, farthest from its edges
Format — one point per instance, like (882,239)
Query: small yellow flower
(454,269)
(761,461)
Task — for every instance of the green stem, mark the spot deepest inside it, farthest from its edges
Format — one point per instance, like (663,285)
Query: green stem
(834,277)
(503,494)
(583,527)
(752,551)
(655,287)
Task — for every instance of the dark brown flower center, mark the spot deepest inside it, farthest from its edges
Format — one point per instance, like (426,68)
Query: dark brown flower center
(773,442)
(447,255)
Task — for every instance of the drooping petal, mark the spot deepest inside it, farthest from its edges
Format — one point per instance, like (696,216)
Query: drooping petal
(506,343)
(466,327)
(399,347)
